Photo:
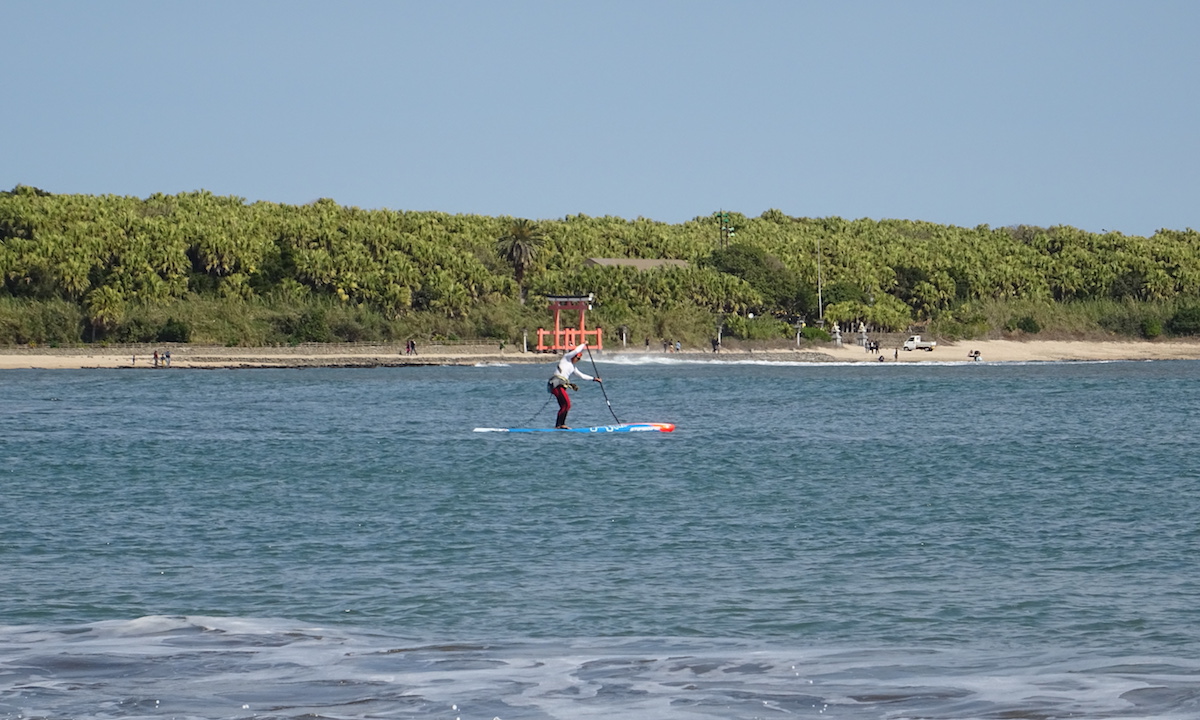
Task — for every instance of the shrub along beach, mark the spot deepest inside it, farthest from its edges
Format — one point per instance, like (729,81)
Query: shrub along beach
(95,276)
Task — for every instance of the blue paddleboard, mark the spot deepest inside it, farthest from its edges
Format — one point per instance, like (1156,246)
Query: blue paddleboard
(622,428)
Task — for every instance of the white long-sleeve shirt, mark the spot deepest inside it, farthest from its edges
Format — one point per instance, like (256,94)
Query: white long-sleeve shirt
(566,367)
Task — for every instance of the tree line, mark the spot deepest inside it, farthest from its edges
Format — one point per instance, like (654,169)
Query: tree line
(197,266)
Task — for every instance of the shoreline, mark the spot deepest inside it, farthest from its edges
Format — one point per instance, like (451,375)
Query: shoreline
(363,356)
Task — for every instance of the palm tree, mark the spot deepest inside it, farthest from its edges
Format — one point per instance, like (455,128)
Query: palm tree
(520,247)
(105,308)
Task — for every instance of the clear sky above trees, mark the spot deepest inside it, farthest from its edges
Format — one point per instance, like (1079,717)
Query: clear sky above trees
(1018,112)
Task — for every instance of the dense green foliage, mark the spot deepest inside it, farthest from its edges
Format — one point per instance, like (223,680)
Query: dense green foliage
(780,287)
(205,268)
(1186,321)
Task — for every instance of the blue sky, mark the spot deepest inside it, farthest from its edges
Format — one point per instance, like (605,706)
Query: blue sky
(1083,113)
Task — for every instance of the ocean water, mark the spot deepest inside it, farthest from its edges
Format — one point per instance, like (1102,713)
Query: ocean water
(949,541)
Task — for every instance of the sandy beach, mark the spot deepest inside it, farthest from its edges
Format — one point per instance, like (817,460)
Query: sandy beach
(346,355)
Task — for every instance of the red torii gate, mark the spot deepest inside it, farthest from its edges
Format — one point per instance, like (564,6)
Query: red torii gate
(564,339)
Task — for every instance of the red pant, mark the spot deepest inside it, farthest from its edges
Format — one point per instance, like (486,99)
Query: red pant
(564,404)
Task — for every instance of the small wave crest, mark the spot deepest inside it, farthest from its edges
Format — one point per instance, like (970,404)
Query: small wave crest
(776,361)
(676,360)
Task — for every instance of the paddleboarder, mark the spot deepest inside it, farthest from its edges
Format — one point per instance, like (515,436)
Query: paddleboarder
(560,381)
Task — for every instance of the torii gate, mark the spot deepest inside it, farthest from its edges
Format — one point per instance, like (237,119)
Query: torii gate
(564,339)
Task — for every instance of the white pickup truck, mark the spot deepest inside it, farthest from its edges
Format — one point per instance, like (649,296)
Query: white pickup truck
(915,342)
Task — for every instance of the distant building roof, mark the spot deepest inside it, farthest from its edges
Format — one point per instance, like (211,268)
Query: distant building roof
(640,264)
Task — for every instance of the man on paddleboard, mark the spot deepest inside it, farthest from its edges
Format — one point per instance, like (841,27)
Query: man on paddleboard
(560,381)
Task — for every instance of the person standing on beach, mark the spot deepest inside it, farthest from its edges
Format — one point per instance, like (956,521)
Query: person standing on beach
(560,381)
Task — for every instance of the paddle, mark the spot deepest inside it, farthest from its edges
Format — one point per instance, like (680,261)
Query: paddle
(597,372)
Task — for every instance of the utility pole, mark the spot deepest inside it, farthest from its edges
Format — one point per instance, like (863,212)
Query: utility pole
(727,229)
(820,304)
